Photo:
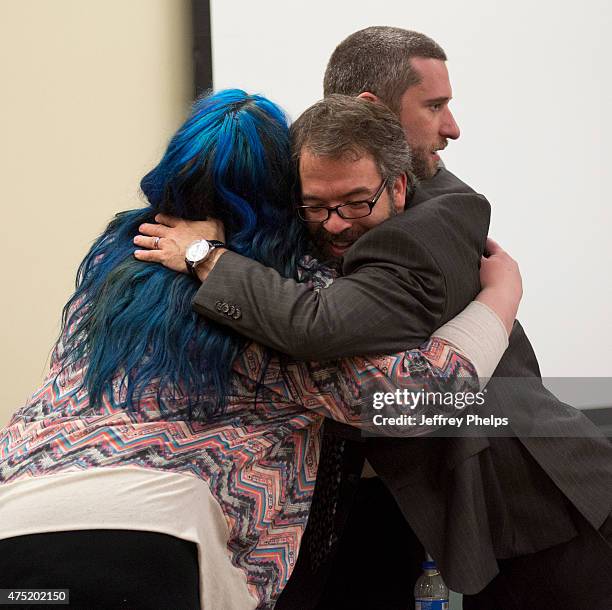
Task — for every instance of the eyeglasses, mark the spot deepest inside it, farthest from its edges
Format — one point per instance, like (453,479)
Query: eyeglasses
(348,211)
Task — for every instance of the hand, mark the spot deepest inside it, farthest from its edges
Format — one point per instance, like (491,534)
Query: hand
(499,270)
(167,241)
(501,283)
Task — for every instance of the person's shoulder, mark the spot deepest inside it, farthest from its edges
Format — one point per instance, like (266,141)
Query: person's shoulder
(443,183)
(445,198)
(448,215)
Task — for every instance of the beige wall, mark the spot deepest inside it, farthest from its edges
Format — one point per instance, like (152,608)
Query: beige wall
(91,91)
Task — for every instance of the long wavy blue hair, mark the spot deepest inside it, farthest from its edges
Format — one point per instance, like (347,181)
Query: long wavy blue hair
(229,160)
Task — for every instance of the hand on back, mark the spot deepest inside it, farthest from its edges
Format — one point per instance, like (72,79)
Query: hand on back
(167,241)
(501,283)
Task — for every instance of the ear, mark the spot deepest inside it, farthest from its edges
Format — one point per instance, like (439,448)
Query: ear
(399,193)
(366,95)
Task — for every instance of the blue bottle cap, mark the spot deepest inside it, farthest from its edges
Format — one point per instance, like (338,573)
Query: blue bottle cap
(429,565)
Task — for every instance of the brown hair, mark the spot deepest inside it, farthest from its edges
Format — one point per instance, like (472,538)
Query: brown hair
(377,59)
(341,125)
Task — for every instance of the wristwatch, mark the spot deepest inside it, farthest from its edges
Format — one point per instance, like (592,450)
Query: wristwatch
(198,251)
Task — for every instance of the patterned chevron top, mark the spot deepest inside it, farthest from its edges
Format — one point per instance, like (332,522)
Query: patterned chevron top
(259,460)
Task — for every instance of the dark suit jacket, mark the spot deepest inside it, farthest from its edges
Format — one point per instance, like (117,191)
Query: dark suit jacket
(469,500)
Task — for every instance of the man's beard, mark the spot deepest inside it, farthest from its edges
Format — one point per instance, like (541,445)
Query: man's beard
(321,240)
(424,164)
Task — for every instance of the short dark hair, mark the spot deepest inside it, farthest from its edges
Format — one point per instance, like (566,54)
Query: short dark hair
(377,59)
(341,125)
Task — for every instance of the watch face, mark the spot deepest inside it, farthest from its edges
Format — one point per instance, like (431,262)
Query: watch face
(197,251)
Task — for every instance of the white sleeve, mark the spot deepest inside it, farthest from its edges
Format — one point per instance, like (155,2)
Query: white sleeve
(480,335)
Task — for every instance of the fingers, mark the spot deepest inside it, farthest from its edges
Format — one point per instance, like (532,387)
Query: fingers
(153,243)
(165,219)
(492,247)
(153,230)
(149,256)
(170,256)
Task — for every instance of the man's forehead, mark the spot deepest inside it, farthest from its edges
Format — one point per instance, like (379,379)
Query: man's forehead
(435,81)
(345,173)
(335,166)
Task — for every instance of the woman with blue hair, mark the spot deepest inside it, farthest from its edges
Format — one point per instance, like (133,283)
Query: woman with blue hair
(167,462)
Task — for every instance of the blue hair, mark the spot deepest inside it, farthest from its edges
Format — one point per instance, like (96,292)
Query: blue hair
(229,160)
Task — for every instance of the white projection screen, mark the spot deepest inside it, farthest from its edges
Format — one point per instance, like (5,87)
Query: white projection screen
(532,93)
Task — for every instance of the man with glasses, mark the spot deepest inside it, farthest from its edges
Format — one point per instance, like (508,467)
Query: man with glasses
(334,229)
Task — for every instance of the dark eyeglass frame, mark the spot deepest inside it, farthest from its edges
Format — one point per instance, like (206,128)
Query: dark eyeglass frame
(302,209)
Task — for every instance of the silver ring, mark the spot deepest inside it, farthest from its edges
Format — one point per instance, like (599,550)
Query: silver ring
(156,243)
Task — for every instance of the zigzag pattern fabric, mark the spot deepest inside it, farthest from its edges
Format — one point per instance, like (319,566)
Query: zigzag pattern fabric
(259,459)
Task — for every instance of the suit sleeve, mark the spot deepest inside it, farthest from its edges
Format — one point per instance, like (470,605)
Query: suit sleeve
(355,315)
(392,297)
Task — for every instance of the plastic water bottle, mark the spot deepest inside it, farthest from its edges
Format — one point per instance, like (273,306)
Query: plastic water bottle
(430,592)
